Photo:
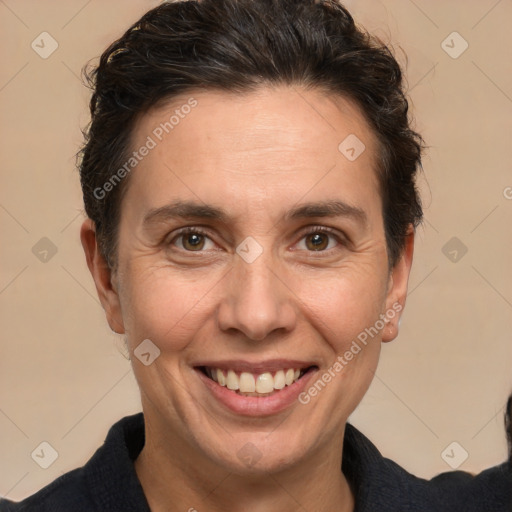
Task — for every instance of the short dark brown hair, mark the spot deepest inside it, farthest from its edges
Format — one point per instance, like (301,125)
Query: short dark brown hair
(237,46)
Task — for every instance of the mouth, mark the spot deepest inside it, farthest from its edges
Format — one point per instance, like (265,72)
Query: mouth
(257,382)
(245,387)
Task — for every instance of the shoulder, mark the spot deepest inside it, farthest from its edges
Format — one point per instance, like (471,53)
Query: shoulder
(107,482)
(489,490)
(382,485)
(68,492)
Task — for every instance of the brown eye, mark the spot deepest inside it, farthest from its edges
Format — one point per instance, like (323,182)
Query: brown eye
(321,239)
(192,241)
(317,241)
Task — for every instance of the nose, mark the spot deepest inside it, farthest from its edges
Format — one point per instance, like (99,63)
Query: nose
(258,300)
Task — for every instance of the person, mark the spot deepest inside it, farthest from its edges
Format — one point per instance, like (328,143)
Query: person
(508,427)
(249,178)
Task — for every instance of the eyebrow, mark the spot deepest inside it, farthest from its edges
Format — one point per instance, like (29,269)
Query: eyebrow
(184,210)
(196,211)
(327,209)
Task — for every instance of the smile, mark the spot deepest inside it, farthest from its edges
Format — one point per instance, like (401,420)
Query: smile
(250,384)
(256,390)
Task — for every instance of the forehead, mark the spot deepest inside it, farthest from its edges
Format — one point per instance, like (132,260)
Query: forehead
(273,143)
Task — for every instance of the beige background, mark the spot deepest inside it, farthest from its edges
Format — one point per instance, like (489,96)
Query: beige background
(63,377)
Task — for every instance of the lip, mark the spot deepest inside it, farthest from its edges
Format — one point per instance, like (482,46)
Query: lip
(257,406)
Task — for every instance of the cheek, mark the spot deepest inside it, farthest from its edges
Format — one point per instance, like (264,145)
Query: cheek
(165,308)
(343,305)
(343,310)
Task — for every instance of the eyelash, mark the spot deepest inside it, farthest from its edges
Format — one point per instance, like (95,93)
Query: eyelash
(310,231)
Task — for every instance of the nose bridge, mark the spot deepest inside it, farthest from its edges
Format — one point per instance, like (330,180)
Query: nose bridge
(257,302)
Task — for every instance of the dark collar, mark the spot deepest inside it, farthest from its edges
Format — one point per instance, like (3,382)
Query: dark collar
(110,473)
(379,485)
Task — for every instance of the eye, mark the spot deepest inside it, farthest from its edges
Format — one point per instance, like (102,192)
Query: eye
(319,239)
(192,240)
(316,239)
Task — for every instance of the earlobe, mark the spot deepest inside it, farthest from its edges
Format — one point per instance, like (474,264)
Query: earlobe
(397,289)
(102,276)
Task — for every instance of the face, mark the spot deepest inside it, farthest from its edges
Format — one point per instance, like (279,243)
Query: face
(252,250)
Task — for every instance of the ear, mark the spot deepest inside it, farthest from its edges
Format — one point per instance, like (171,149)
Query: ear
(103,277)
(397,288)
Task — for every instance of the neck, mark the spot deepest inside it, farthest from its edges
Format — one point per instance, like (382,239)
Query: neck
(175,479)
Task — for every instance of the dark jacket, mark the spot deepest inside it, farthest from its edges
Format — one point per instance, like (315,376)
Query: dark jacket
(108,482)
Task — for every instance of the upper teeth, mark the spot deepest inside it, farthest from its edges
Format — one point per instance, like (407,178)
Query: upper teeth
(249,383)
